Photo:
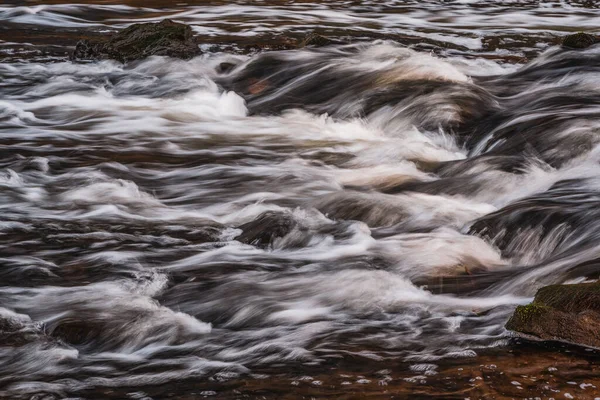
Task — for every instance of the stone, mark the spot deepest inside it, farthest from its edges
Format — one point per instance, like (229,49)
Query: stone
(226,67)
(564,313)
(166,38)
(579,40)
(314,39)
(269,226)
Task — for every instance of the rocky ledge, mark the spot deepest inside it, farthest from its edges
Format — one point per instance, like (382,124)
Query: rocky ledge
(166,38)
(172,39)
(565,313)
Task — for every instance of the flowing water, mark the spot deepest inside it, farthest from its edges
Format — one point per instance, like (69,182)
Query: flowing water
(351,221)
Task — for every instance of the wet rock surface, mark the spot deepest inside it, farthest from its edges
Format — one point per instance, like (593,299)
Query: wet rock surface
(17,330)
(139,41)
(265,229)
(566,313)
(579,40)
(314,39)
(539,220)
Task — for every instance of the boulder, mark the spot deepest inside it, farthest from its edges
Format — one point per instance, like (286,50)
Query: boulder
(18,330)
(269,226)
(166,38)
(314,39)
(564,313)
(579,40)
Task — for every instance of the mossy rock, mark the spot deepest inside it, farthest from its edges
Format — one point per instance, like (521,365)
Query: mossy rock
(579,40)
(565,313)
(166,38)
(570,298)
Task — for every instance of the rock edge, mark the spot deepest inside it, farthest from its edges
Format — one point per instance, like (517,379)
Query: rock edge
(565,313)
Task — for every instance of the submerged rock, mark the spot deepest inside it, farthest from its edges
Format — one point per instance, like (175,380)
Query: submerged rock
(544,224)
(566,313)
(17,329)
(314,39)
(269,226)
(166,38)
(579,40)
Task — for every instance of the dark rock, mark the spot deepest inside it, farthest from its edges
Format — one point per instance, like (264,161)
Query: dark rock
(270,43)
(225,67)
(266,228)
(77,332)
(579,40)
(374,209)
(17,331)
(313,39)
(547,219)
(138,41)
(565,313)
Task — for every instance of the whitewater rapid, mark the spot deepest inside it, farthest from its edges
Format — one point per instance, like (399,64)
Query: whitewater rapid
(379,189)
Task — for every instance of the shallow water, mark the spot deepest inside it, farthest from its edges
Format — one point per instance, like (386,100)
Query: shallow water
(357,220)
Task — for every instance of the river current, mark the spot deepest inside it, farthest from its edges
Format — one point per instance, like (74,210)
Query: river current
(357,220)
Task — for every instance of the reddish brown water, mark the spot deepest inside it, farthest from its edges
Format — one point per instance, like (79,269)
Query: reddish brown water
(517,371)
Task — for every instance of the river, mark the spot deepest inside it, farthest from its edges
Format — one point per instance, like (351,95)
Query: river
(265,221)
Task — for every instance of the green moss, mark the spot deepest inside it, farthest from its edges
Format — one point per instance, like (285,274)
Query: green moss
(525,317)
(530,310)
